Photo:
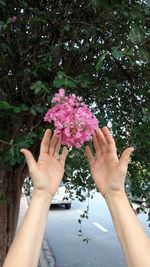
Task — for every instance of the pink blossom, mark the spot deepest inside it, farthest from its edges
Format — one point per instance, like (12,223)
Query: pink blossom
(14,18)
(59,96)
(73,119)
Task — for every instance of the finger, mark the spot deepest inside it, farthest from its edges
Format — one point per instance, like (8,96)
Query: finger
(52,144)
(57,149)
(101,140)
(89,154)
(45,142)
(30,160)
(125,157)
(96,145)
(64,155)
(109,139)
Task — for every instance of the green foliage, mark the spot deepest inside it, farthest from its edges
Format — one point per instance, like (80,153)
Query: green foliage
(135,34)
(62,80)
(99,50)
(38,87)
(100,62)
(13,155)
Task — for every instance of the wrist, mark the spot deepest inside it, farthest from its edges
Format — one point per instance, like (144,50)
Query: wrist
(115,195)
(40,193)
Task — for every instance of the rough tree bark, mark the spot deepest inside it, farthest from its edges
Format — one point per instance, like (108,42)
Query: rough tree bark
(9,206)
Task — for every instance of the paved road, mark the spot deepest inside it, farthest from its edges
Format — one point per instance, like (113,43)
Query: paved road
(103,248)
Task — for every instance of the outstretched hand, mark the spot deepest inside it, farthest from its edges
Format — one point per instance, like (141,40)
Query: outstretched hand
(48,171)
(108,171)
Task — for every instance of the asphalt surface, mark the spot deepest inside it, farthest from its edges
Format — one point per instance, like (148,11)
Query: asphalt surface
(103,248)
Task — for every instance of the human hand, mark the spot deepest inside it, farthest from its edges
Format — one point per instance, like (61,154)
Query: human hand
(107,170)
(48,171)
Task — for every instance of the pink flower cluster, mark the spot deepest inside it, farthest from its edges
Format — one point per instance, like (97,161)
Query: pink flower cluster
(73,119)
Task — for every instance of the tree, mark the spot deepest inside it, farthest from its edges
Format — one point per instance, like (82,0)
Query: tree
(96,49)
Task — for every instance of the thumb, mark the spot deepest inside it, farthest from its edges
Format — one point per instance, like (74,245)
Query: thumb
(125,157)
(30,159)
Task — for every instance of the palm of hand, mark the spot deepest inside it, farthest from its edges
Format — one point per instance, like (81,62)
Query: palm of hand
(50,172)
(105,172)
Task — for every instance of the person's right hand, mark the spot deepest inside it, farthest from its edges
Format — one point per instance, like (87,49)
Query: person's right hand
(48,171)
(107,170)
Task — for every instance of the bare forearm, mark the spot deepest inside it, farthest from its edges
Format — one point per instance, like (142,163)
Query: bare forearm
(25,249)
(134,241)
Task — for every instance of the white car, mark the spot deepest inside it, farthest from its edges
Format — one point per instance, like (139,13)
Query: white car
(62,197)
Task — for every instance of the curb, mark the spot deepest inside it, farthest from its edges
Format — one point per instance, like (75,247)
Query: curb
(47,258)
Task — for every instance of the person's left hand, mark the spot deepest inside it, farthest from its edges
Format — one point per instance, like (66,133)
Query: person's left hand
(48,171)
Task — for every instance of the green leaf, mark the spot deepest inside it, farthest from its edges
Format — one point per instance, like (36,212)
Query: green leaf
(12,151)
(103,3)
(116,53)
(2,3)
(59,83)
(13,161)
(143,55)
(9,20)
(61,75)
(39,109)
(5,48)
(100,62)
(4,105)
(84,84)
(70,83)
(84,79)
(24,107)
(2,26)
(38,86)
(33,112)
(17,109)
(148,3)
(129,51)
(67,28)
(135,35)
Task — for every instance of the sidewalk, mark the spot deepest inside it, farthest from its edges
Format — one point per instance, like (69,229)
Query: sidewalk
(47,258)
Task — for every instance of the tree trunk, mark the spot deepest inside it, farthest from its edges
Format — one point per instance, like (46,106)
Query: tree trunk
(10,193)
